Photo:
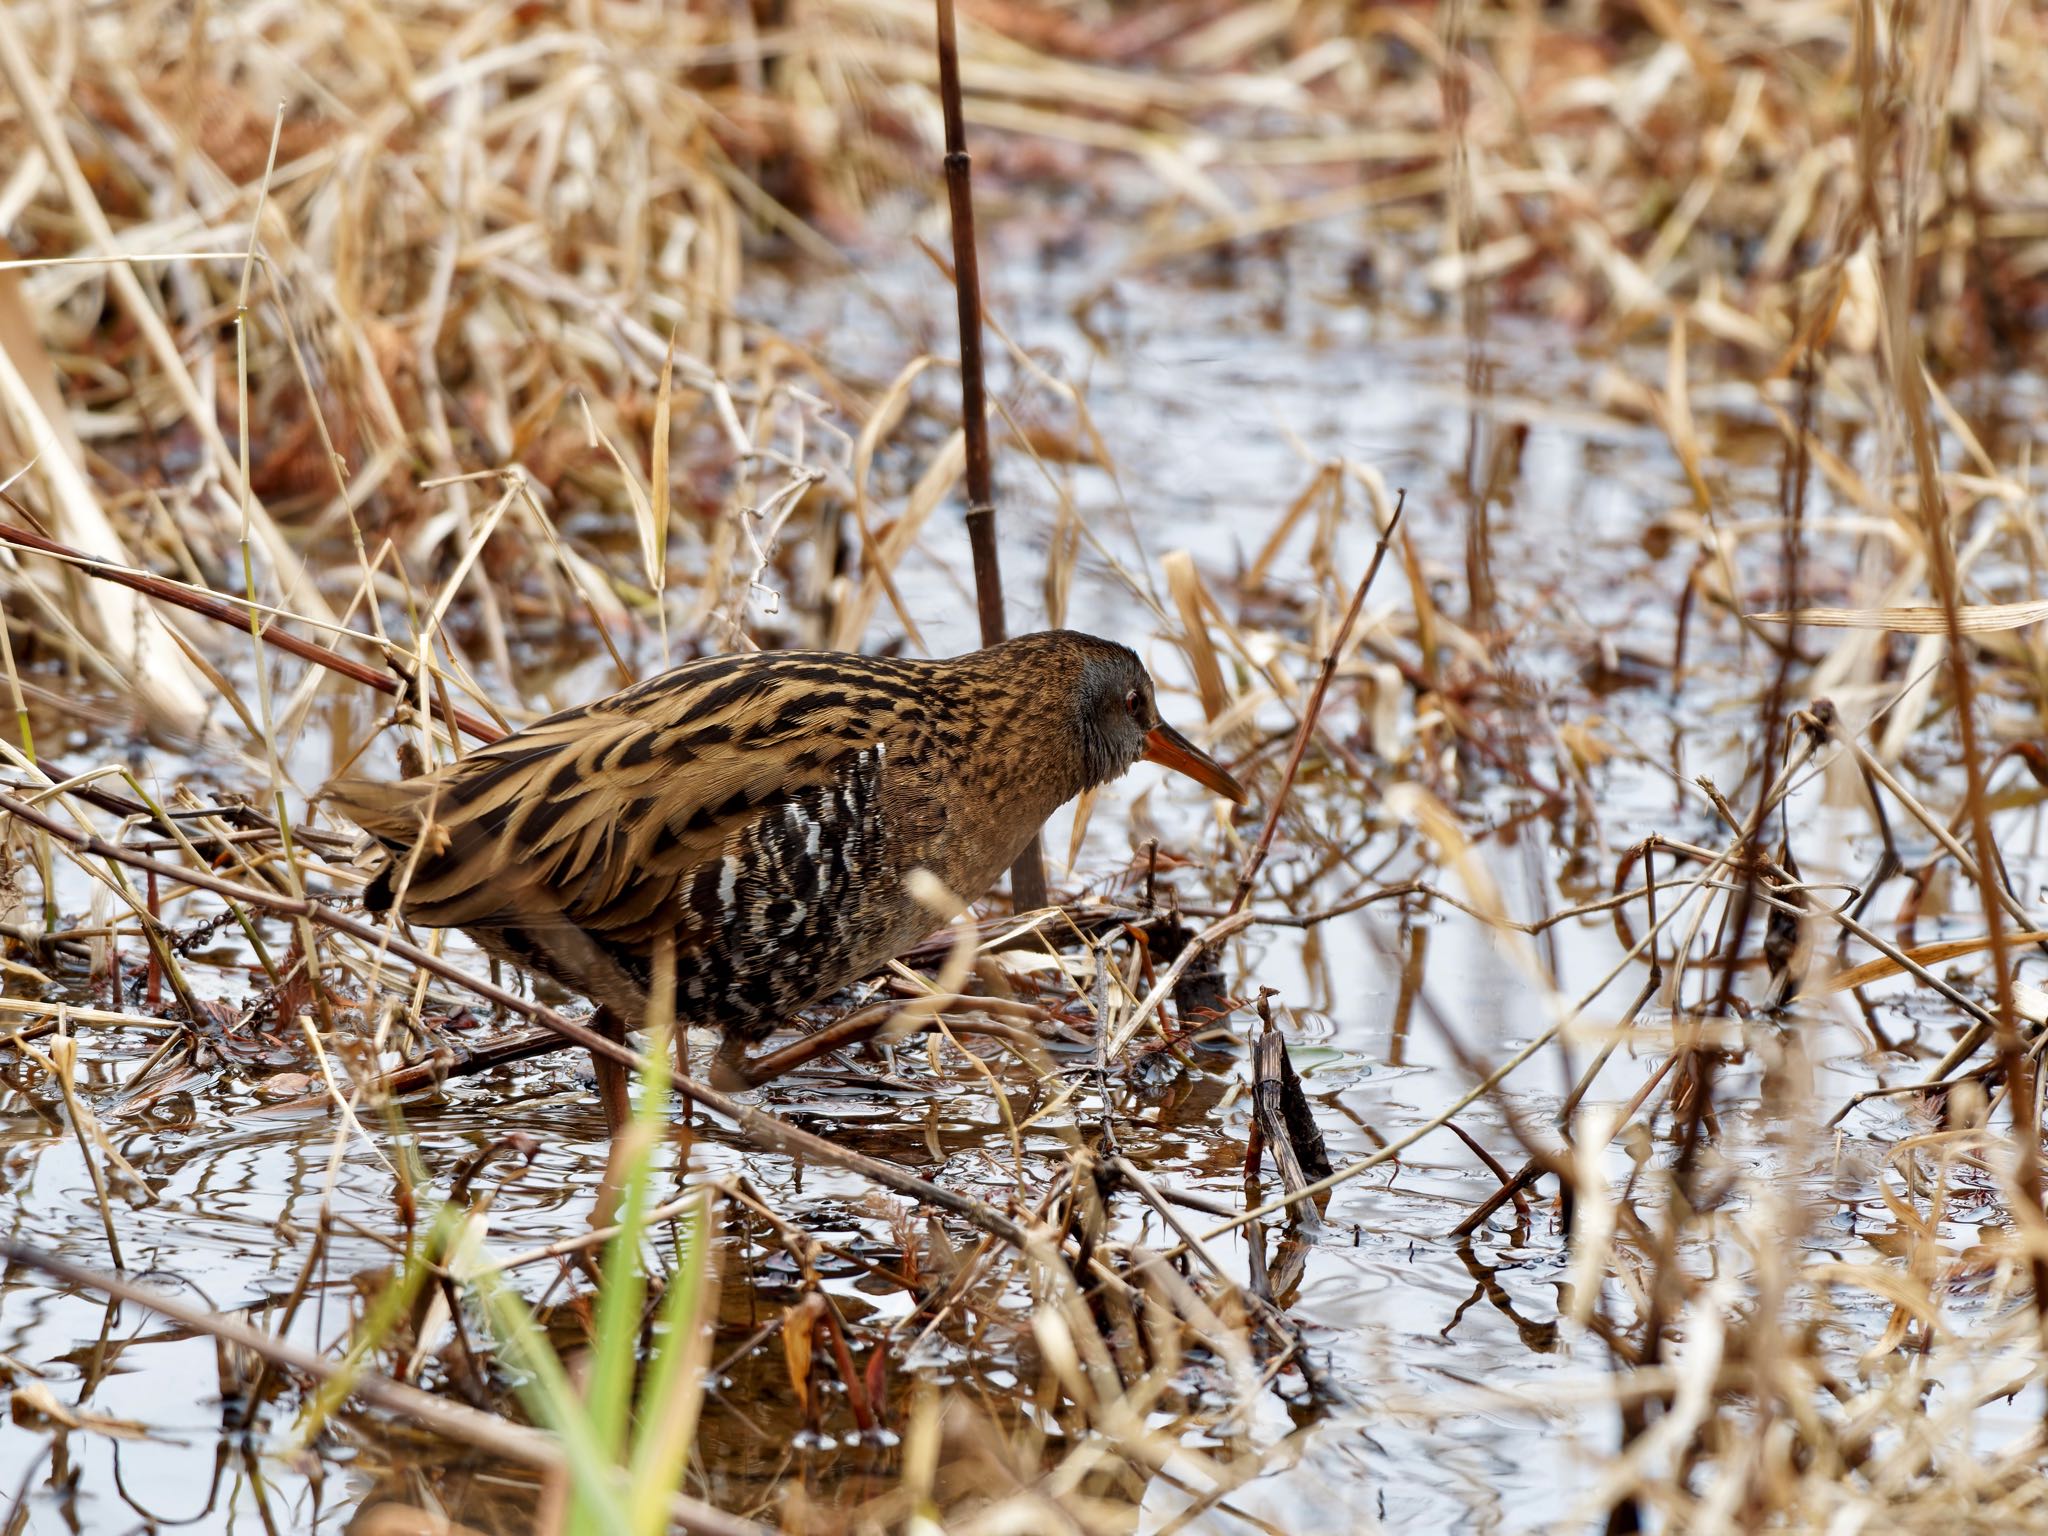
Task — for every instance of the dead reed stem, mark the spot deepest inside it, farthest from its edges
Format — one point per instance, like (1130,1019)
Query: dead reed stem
(1027,878)
(1909,386)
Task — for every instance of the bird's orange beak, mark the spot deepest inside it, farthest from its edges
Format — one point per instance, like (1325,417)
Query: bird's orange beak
(1168,748)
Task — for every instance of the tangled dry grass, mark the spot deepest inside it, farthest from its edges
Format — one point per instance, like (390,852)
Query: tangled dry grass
(451,366)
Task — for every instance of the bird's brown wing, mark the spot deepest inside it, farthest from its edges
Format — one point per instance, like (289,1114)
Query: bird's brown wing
(619,818)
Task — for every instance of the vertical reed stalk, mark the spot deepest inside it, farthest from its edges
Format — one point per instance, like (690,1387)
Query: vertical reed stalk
(38,840)
(1909,385)
(1027,876)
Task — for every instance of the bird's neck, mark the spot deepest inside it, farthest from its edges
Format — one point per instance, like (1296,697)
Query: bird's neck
(1025,761)
(1037,765)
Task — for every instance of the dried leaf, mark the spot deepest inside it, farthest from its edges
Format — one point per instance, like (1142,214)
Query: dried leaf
(1927,954)
(796,1351)
(36,1400)
(1185,582)
(1084,808)
(1584,743)
(1972,619)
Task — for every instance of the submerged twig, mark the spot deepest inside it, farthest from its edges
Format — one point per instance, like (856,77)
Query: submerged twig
(466,1426)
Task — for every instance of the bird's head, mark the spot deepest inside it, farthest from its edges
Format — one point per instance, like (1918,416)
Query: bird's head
(1120,724)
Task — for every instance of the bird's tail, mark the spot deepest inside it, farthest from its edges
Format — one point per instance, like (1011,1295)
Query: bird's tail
(393,814)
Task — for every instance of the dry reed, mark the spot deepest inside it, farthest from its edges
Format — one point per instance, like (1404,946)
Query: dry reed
(497,421)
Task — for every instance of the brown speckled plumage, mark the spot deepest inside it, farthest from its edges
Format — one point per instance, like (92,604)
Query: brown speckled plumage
(759,812)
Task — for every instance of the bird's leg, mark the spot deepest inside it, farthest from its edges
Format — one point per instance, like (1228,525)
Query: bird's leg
(611,1075)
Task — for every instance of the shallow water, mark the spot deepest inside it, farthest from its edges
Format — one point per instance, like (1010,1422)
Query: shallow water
(1466,1403)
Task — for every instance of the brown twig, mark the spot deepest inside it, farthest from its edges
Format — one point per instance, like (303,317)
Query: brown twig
(224,612)
(444,1065)
(1313,708)
(470,1426)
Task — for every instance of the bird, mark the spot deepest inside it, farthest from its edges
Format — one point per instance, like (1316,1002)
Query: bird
(757,817)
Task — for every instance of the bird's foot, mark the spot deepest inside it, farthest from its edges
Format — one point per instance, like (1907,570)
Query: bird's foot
(731,1070)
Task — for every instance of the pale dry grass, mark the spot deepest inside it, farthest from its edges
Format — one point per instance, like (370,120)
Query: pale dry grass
(485,340)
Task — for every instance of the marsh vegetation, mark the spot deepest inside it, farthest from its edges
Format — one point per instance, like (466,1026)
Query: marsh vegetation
(1640,906)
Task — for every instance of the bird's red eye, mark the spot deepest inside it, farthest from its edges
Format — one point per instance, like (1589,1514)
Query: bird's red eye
(1132,701)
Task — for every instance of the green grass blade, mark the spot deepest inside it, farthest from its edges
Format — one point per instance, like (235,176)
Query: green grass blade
(553,1401)
(674,1388)
(622,1290)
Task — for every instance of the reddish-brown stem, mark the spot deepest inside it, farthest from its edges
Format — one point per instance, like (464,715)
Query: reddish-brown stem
(1027,876)
(856,1384)
(224,612)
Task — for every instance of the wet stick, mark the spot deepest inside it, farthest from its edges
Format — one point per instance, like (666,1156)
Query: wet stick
(1269,1074)
(59,1064)
(446,1065)
(466,1426)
